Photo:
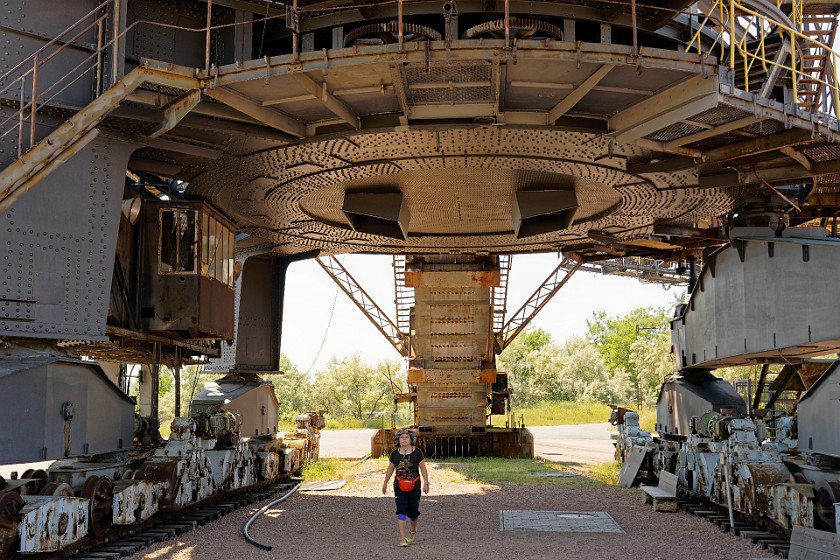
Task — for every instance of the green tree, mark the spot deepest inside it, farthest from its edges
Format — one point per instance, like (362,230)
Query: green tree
(636,345)
(351,387)
(523,359)
(293,389)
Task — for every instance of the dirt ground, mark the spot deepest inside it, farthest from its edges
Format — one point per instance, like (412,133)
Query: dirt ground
(459,520)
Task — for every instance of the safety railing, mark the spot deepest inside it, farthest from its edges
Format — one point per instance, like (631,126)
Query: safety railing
(23,78)
(744,30)
(23,82)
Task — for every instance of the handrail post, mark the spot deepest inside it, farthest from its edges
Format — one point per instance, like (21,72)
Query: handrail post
(635,34)
(100,30)
(732,35)
(207,37)
(33,102)
(20,115)
(507,24)
(400,28)
(115,47)
(793,70)
(295,23)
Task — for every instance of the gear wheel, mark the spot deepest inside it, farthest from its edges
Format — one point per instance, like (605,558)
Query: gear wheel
(520,28)
(386,33)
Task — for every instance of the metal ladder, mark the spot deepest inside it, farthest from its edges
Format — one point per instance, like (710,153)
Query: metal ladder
(403,296)
(819,22)
(500,293)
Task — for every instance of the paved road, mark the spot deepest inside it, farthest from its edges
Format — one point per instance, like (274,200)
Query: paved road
(588,444)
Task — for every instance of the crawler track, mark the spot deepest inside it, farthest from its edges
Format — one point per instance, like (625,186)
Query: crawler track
(772,542)
(124,541)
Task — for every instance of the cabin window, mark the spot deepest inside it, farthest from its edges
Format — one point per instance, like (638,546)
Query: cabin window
(217,250)
(178,241)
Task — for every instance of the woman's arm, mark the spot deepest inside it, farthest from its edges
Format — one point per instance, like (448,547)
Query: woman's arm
(425,475)
(388,474)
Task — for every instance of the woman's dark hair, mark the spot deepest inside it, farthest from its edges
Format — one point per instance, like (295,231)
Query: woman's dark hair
(402,431)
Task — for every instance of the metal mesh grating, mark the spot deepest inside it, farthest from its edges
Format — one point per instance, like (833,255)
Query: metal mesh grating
(823,152)
(478,76)
(721,114)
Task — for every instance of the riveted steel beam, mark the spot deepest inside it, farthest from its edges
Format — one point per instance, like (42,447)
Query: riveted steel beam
(467,50)
(270,116)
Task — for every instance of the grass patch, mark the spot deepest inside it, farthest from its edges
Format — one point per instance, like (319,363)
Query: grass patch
(647,418)
(605,474)
(491,470)
(562,413)
(341,469)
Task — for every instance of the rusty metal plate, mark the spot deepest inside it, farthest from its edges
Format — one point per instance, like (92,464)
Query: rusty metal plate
(50,523)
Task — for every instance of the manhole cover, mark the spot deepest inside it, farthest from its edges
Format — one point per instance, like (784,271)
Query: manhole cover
(561,521)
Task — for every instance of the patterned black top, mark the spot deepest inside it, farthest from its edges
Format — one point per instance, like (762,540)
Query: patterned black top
(407,466)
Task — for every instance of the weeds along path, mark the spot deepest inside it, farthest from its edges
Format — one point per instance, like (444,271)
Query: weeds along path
(459,519)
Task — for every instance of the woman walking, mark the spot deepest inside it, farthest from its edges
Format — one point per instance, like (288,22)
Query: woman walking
(409,462)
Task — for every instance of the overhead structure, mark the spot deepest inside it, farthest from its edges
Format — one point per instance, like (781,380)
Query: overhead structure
(636,138)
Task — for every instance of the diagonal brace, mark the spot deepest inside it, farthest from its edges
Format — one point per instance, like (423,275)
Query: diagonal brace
(365,303)
(552,284)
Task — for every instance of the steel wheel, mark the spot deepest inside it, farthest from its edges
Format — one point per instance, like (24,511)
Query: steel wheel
(10,506)
(826,494)
(99,490)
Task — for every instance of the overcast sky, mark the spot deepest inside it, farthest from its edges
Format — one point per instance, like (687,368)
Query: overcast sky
(320,321)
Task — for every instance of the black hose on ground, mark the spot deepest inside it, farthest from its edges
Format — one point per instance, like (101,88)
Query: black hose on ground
(260,512)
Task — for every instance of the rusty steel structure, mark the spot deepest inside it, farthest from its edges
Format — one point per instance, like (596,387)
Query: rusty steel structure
(163,162)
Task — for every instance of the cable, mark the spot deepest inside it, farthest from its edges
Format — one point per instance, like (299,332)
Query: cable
(260,512)
(326,332)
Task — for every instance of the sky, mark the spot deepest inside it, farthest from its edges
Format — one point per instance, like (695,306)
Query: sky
(320,321)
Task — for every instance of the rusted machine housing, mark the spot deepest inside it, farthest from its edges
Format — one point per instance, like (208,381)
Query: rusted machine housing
(63,407)
(683,398)
(452,378)
(817,430)
(187,271)
(251,398)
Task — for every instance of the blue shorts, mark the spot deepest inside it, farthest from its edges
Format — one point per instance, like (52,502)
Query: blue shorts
(408,503)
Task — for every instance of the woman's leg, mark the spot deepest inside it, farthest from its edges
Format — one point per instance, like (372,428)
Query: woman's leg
(413,509)
(402,500)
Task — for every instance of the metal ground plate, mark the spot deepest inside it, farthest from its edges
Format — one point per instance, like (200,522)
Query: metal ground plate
(560,521)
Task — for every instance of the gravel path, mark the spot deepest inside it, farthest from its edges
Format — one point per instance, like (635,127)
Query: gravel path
(459,520)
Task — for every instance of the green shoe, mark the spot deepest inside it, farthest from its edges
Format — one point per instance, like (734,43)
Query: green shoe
(409,540)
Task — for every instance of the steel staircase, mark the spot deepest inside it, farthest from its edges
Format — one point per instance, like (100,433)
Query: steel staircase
(500,293)
(403,296)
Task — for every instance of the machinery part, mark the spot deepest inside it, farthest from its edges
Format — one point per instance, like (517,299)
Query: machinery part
(2,483)
(128,474)
(99,490)
(520,28)
(259,513)
(57,489)
(10,505)
(826,494)
(64,489)
(385,33)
